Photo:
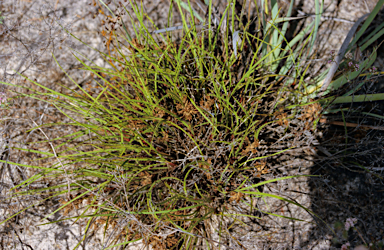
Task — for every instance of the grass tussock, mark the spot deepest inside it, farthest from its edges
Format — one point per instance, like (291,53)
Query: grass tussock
(177,133)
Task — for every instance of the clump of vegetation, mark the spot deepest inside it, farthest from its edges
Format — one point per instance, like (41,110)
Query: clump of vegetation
(178,132)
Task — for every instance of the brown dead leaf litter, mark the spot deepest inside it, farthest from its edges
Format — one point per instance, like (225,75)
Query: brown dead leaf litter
(28,39)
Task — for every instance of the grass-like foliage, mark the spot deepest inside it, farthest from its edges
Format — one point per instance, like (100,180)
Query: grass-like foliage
(180,131)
